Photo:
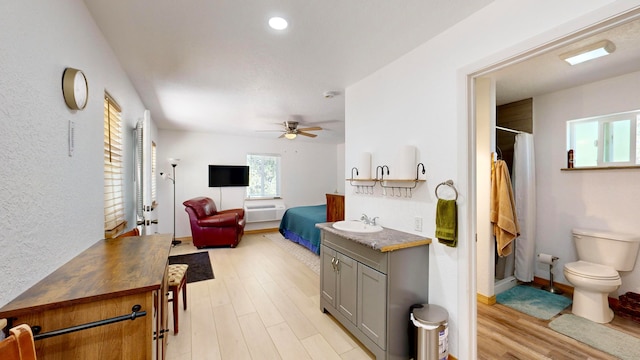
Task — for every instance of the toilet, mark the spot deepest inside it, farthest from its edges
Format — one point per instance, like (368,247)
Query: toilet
(600,256)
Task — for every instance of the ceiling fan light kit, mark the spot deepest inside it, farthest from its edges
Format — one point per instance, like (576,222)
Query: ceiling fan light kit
(291,130)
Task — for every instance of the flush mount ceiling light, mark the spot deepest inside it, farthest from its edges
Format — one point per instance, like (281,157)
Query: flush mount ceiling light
(290,136)
(589,52)
(278,23)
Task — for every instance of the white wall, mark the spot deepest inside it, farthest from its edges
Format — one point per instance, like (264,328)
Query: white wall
(340,176)
(52,204)
(485,104)
(421,99)
(591,199)
(308,172)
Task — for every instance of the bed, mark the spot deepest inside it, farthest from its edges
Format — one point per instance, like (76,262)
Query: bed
(299,225)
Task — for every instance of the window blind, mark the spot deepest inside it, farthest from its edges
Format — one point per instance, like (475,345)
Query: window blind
(113,180)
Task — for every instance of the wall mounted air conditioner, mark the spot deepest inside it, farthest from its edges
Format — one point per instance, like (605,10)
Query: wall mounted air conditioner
(264,210)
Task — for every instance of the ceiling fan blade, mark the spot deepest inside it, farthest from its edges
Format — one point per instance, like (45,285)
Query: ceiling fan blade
(306,134)
(313,128)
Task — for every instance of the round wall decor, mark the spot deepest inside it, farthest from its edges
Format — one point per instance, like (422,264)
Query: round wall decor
(75,88)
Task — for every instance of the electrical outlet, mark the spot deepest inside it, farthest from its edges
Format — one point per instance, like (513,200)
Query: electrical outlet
(418,223)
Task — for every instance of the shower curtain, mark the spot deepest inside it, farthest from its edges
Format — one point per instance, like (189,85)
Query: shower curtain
(524,185)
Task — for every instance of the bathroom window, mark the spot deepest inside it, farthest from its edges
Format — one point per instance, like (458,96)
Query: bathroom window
(605,141)
(264,176)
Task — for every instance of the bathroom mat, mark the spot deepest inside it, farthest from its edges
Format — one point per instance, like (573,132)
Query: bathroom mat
(601,337)
(533,301)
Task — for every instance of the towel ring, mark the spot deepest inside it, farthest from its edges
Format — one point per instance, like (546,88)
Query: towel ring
(448,183)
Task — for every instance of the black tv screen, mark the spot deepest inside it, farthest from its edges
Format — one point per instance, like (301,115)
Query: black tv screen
(228,175)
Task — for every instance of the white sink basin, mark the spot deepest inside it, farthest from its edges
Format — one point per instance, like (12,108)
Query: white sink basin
(356,226)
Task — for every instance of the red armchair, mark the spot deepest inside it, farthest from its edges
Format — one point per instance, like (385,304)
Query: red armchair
(210,227)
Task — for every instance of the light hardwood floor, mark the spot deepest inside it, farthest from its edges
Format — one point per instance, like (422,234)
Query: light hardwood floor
(264,304)
(504,333)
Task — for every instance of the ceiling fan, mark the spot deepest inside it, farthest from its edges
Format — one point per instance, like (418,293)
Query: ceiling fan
(291,130)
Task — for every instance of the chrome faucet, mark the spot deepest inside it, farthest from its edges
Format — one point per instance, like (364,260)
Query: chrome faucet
(365,219)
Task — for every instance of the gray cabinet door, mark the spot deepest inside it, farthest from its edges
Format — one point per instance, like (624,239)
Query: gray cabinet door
(328,275)
(347,286)
(372,304)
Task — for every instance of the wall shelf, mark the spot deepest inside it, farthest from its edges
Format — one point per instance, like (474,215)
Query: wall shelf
(387,180)
(363,186)
(367,185)
(601,168)
(404,180)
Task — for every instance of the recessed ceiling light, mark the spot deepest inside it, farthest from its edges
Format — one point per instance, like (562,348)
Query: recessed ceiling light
(278,23)
(589,52)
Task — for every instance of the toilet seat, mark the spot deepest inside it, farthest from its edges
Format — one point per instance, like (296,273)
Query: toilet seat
(591,271)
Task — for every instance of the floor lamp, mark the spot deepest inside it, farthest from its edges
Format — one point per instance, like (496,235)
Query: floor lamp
(174,163)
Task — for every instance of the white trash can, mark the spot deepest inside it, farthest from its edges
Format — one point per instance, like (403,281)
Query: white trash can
(432,332)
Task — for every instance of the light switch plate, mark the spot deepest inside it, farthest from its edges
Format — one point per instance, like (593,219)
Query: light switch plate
(418,224)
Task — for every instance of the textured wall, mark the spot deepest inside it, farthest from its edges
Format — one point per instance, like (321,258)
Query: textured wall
(308,172)
(421,99)
(597,199)
(51,204)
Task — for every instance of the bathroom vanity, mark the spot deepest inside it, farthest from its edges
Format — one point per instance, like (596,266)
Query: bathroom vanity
(368,282)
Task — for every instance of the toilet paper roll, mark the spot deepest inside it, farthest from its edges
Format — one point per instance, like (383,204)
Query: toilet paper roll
(545,258)
(364,166)
(405,164)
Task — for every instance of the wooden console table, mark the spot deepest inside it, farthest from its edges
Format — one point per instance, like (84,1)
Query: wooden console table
(103,282)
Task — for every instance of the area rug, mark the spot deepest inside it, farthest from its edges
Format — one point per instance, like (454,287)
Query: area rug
(298,251)
(598,336)
(199,265)
(532,301)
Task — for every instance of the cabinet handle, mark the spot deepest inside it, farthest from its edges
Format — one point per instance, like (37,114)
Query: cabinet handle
(333,263)
(337,265)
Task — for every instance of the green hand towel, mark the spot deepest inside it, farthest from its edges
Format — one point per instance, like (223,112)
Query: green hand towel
(447,222)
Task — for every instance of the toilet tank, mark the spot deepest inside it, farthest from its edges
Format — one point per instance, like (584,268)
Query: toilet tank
(616,250)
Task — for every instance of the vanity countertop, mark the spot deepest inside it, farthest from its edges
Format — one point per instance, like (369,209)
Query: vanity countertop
(383,241)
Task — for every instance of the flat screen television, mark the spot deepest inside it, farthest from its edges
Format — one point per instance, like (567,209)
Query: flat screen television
(228,175)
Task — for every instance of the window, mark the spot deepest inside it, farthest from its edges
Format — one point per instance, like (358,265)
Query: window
(264,176)
(113,183)
(605,141)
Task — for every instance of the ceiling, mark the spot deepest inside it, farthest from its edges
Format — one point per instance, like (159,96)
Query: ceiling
(547,73)
(216,66)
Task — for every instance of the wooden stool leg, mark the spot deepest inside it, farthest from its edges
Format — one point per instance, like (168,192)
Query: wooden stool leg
(174,299)
(184,292)
(177,280)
